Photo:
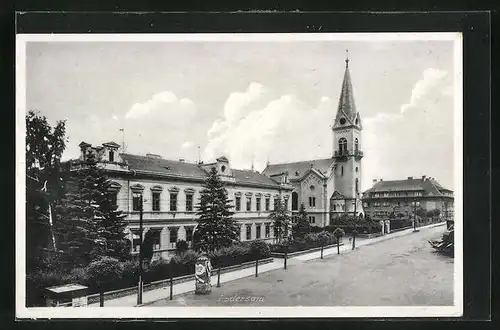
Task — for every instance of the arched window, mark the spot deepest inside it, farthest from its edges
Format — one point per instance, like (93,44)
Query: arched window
(357,185)
(356,145)
(295,201)
(342,144)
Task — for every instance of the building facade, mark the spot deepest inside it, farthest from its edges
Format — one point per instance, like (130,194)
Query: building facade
(170,191)
(331,186)
(403,198)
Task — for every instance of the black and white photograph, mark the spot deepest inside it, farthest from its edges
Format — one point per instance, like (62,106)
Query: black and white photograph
(239,175)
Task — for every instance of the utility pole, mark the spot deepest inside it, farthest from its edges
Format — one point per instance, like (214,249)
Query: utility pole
(141,270)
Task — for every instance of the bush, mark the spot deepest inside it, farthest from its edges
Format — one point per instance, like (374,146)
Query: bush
(260,250)
(102,273)
(39,279)
(183,265)
(182,246)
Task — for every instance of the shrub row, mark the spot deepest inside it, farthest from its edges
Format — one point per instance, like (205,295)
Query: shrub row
(109,274)
(310,241)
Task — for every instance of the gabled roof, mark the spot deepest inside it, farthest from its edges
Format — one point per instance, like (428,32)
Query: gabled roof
(164,166)
(297,170)
(111,144)
(427,186)
(252,177)
(191,170)
(337,195)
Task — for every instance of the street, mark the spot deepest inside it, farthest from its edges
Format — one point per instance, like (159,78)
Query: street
(402,271)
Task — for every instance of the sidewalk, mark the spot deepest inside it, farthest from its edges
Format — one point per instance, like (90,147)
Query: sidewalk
(277,263)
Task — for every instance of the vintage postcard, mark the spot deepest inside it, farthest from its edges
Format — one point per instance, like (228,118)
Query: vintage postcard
(239,175)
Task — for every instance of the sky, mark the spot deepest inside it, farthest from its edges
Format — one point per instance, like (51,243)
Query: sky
(253,102)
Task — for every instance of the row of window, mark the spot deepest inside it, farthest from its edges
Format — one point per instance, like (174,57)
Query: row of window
(258,231)
(155,234)
(338,207)
(258,202)
(343,144)
(156,205)
(398,194)
(405,203)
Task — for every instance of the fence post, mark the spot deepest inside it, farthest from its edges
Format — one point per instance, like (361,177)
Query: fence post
(171,286)
(286,253)
(257,267)
(101,298)
(218,277)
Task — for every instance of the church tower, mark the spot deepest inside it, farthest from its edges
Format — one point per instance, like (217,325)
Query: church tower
(347,147)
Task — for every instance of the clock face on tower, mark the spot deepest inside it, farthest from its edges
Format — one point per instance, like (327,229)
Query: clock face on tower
(342,121)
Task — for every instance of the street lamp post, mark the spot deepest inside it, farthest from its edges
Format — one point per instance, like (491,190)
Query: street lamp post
(141,270)
(415,216)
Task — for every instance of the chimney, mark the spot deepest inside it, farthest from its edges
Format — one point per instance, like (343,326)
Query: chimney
(374,180)
(381,180)
(423,177)
(182,160)
(410,178)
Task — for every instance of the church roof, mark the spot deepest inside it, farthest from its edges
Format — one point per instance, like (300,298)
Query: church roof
(296,170)
(346,106)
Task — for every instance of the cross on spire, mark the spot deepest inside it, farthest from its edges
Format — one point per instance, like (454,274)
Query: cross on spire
(346,58)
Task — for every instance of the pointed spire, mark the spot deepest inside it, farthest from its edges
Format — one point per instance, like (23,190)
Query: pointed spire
(347,58)
(346,105)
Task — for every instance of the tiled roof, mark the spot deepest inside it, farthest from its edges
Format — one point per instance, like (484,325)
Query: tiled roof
(428,186)
(164,166)
(190,170)
(297,170)
(251,177)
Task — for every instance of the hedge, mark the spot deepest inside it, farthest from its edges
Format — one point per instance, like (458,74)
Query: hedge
(111,274)
(310,241)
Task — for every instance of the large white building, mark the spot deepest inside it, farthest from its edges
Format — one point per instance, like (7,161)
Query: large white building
(170,189)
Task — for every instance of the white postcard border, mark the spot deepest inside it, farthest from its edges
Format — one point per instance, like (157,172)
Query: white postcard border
(235,312)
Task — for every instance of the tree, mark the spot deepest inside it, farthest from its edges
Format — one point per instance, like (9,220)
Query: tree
(338,233)
(44,148)
(302,227)
(281,220)
(182,246)
(89,224)
(147,247)
(216,227)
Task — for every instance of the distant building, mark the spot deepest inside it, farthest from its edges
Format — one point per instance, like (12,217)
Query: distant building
(331,186)
(405,197)
(171,191)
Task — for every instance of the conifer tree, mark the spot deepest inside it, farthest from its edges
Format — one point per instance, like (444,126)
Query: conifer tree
(216,227)
(281,220)
(90,226)
(302,227)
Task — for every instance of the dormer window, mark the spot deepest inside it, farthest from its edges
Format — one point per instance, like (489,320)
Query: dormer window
(111,156)
(342,121)
(222,168)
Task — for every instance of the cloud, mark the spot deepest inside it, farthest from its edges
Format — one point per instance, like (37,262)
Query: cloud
(432,78)
(163,104)
(284,129)
(418,140)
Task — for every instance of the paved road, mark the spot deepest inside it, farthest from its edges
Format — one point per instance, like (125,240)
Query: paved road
(403,271)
